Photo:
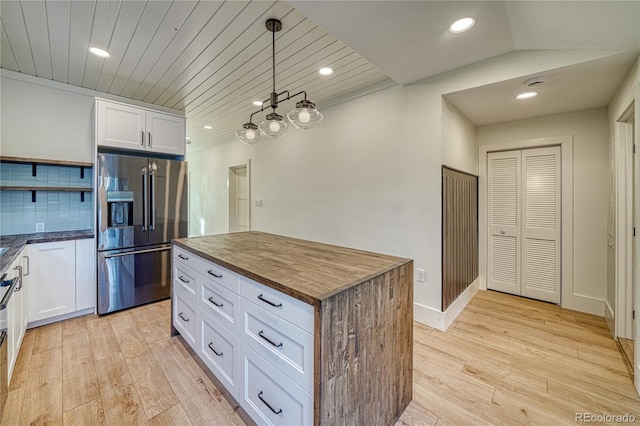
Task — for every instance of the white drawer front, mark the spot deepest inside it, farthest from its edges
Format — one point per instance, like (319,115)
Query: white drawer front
(185,257)
(184,317)
(280,304)
(220,303)
(219,274)
(186,279)
(285,346)
(218,349)
(268,396)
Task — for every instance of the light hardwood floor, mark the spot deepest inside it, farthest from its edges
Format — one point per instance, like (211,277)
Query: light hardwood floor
(505,360)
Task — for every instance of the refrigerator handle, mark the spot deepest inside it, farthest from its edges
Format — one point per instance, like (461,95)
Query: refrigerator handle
(152,199)
(145,205)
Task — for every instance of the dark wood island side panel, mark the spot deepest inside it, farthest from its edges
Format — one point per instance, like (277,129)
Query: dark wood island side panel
(365,345)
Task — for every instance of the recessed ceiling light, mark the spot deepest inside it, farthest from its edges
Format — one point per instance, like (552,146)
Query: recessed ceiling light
(208,127)
(462,25)
(527,95)
(99,52)
(257,103)
(326,71)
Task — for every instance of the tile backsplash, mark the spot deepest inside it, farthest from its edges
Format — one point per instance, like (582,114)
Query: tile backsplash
(58,210)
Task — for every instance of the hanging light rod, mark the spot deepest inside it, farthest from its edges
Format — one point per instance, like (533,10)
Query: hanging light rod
(303,116)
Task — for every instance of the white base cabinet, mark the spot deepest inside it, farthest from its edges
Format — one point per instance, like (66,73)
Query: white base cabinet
(52,289)
(257,341)
(62,279)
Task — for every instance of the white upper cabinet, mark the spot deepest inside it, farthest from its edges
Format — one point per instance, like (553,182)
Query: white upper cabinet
(129,127)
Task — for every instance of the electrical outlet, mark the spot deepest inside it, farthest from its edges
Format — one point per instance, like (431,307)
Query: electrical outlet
(258,203)
(40,227)
(420,275)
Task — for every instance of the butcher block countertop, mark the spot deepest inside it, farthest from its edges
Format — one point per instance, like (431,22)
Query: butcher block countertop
(306,270)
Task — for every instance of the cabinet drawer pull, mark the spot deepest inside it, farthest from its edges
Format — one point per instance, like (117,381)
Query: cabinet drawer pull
(142,138)
(210,272)
(214,351)
(183,318)
(183,279)
(183,257)
(219,305)
(278,345)
(267,404)
(279,305)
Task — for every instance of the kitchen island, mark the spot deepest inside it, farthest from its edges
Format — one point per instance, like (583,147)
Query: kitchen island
(298,332)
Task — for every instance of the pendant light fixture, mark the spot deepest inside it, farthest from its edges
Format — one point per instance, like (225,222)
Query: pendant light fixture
(303,116)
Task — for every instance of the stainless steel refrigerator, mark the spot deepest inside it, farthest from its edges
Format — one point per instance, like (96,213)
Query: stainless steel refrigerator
(141,207)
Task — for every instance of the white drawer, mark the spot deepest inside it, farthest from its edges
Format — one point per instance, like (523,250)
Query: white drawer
(220,303)
(268,396)
(221,275)
(280,304)
(184,316)
(218,349)
(285,346)
(185,257)
(185,278)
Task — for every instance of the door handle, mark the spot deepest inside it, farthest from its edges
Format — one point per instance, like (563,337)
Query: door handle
(145,207)
(152,199)
(28,265)
(19,268)
(127,253)
(149,144)
(142,137)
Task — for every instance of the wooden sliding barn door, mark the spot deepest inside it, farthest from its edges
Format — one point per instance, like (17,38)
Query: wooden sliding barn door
(524,189)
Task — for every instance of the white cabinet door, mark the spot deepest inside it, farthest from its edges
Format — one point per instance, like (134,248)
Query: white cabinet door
(165,133)
(133,128)
(85,274)
(16,313)
(120,126)
(52,284)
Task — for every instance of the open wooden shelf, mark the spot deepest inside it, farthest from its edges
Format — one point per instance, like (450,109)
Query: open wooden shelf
(8,159)
(44,188)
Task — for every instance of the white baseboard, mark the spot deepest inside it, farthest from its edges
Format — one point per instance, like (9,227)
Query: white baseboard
(459,304)
(442,320)
(63,317)
(586,304)
(610,318)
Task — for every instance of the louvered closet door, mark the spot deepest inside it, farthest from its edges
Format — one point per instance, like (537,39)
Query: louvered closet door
(541,224)
(524,223)
(504,191)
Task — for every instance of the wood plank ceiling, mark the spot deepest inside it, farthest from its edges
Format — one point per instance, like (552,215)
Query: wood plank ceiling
(211,59)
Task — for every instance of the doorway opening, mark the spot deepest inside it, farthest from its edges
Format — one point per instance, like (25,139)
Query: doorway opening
(239,198)
(627,253)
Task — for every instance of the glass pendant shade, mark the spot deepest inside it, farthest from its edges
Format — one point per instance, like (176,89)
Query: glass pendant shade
(305,115)
(274,126)
(250,134)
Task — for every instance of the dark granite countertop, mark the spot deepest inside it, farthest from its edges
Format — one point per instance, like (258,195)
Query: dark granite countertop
(16,243)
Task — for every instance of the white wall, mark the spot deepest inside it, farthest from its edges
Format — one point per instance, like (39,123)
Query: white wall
(43,122)
(590,186)
(458,140)
(369,176)
(45,119)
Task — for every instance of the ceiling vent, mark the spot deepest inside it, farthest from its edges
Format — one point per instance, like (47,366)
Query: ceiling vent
(535,81)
